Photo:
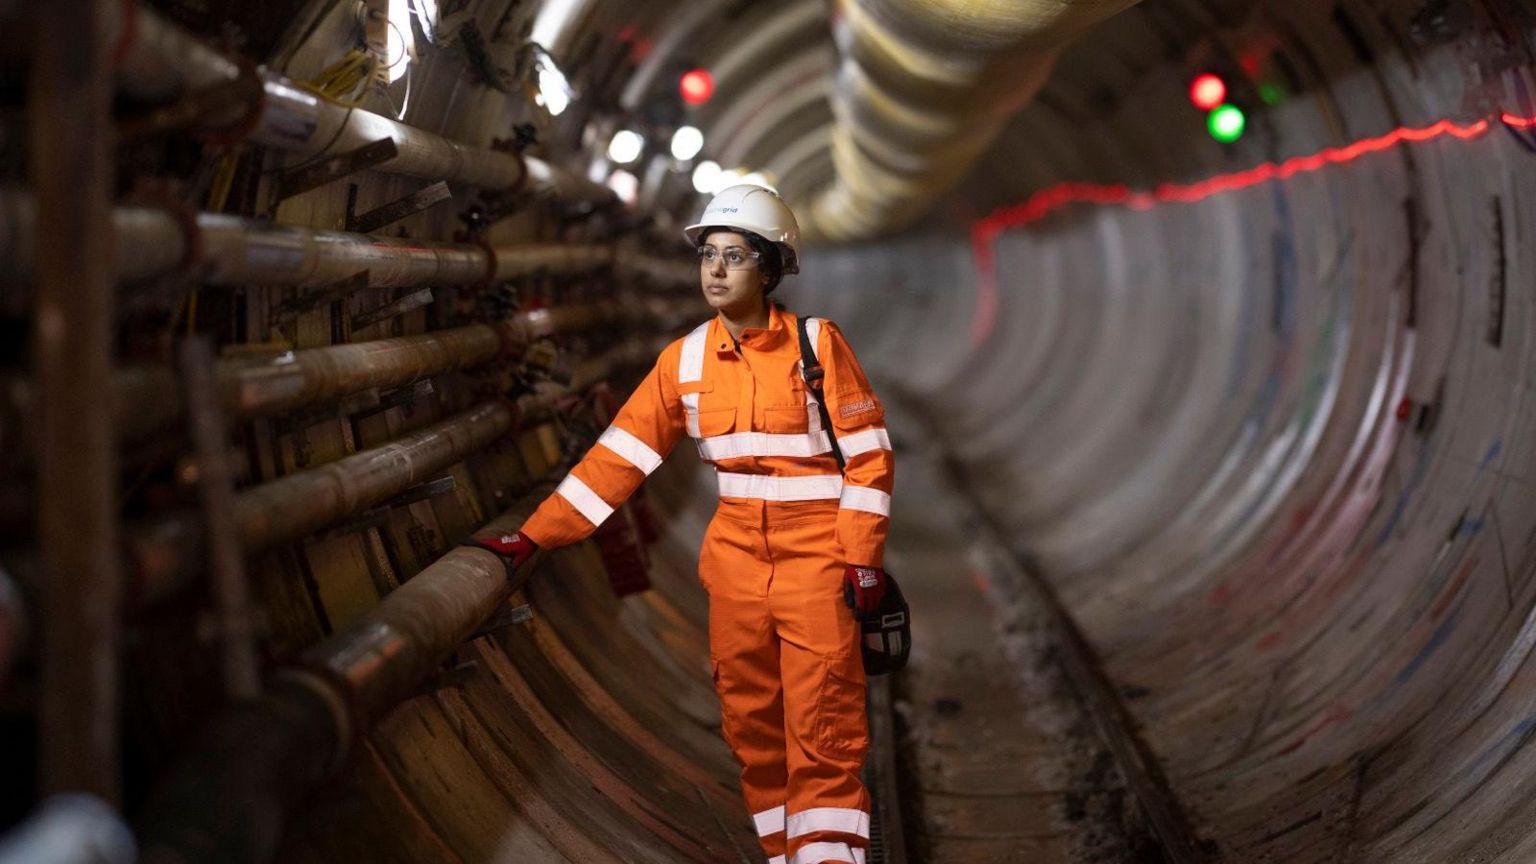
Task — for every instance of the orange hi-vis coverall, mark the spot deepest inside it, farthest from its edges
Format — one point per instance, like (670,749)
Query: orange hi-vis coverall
(784,648)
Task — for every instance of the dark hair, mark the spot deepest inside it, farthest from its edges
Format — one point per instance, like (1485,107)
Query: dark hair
(768,255)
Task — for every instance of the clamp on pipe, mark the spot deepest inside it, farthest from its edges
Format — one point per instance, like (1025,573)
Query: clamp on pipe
(159,195)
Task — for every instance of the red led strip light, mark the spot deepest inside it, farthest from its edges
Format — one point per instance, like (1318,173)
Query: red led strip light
(985,231)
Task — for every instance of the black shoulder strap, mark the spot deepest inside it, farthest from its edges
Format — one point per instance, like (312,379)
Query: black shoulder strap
(810,369)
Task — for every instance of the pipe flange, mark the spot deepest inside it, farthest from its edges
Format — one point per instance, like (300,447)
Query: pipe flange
(337,694)
(251,91)
(490,259)
(163,196)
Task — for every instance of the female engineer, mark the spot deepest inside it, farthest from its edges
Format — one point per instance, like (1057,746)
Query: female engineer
(795,542)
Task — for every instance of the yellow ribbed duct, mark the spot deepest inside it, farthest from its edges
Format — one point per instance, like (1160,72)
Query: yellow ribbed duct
(923,89)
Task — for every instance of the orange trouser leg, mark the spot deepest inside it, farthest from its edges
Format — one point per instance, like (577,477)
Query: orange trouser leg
(744,651)
(827,813)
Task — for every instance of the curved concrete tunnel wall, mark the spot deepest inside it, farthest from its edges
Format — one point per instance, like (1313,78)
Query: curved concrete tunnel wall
(588,732)
(1274,449)
(1319,613)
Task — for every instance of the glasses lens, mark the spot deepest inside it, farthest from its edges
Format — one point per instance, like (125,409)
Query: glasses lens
(736,258)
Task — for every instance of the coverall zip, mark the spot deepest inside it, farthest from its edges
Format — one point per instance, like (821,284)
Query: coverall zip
(783,646)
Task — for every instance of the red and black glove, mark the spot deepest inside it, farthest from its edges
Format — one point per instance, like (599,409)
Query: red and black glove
(513,549)
(863,589)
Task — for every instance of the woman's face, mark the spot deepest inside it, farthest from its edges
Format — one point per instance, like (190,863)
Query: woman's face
(735,293)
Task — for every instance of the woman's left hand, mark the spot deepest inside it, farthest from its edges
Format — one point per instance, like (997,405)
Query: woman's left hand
(863,589)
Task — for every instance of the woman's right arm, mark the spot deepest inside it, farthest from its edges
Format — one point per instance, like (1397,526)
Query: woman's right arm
(644,432)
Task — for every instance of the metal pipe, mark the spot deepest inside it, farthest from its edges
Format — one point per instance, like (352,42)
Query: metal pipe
(145,399)
(70,829)
(923,90)
(229,250)
(228,798)
(163,61)
(166,554)
(69,102)
(14,626)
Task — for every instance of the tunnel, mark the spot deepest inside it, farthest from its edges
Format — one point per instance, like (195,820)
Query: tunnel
(1214,421)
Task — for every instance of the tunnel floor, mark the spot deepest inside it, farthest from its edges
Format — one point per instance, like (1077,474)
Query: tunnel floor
(998,756)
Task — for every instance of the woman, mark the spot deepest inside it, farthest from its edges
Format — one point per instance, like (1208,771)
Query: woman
(793,539)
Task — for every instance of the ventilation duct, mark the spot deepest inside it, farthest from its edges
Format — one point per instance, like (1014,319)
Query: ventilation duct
(923,88)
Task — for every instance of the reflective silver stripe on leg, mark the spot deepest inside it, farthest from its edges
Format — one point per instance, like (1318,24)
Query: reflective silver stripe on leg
(770,821)
(842,820)
(818,853)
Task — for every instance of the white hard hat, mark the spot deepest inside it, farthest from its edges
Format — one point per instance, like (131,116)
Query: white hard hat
(757,209)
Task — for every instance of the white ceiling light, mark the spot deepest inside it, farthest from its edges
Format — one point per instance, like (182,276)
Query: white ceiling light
(728,179)
(705,175)
(400,42)
(759,178)
(625,185)
(625,146)
(426,13)
(686,143)
(554,90)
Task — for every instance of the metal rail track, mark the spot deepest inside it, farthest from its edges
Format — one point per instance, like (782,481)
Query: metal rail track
(1015,574)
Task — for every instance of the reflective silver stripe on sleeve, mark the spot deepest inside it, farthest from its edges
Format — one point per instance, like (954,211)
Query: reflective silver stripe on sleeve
(739,444)
(587,502)
(632,449)
(814,487)
(866,499)
(863,442)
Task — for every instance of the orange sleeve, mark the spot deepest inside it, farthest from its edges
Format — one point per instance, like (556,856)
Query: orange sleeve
(640,437)
(869,475)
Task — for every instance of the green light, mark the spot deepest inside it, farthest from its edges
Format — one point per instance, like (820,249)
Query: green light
(1226,123)
(1271,94)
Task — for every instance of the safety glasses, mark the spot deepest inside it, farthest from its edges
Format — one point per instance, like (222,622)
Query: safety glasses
(736,258)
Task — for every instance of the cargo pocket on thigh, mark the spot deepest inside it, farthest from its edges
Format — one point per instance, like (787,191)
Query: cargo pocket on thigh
(727,719)
(842,726)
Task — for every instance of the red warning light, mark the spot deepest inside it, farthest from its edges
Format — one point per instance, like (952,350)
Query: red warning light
(1207,91)
(697,86)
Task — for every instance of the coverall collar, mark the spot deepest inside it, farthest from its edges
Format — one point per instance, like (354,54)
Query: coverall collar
(760,338)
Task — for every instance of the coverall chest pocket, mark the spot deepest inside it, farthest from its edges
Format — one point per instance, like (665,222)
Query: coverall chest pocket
(715,420)
(713,411)
(786,408)
(782,420)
